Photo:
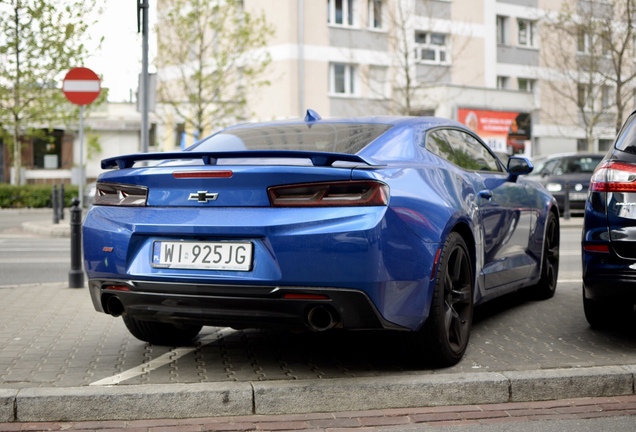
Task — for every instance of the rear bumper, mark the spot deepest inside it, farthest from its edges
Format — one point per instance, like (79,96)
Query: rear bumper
(238,306)
(610,287)
(607,276)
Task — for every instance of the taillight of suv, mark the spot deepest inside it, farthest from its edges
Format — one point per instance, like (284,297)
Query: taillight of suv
(614,176)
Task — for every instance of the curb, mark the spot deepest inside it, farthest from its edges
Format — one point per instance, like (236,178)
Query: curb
(63,229)
(162,401)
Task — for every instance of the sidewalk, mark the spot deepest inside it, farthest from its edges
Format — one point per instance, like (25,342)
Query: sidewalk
(62,361)
(387,419)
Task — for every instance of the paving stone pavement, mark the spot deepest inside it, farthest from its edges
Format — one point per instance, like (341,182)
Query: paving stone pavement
(51,337)
(54,346)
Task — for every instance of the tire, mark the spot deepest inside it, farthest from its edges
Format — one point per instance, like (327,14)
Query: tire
(159,333)
(611,314)
(546,287)
(443,339)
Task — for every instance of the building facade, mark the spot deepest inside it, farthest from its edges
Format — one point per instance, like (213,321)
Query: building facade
(110,129)
(482,62)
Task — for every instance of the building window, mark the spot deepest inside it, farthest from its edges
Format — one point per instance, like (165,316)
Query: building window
(608,96)
(502,30)
(180,136)
(47,150)
(526,85)
(378,82)
(342,79)
(502,82)
(585,42)
(431,48)
(581,145)
(583,96)
(526,33)
(340,12)
(606,44)
(582,42)
(604,144)
(375,14)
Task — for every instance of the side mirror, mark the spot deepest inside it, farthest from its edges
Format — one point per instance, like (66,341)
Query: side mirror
(519,166)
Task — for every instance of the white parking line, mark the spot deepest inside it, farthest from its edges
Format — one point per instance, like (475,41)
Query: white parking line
(160,361)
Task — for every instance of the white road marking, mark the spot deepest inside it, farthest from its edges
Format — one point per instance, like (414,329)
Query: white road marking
(162,360)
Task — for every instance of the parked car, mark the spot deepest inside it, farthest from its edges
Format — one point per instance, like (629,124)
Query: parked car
(567,171)
(402,224)
(609,235)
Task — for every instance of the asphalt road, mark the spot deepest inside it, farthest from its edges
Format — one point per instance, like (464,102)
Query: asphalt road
(27,258)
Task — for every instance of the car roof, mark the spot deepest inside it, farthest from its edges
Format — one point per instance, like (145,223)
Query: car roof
(567,155)
(428,121)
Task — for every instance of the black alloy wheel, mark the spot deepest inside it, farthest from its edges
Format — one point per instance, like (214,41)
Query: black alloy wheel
(443,339)
(546,287)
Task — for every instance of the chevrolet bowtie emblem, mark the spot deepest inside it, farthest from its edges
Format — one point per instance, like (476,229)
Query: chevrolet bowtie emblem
(203,196)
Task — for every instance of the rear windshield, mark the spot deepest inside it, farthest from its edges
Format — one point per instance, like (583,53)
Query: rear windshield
(324,137)
(627,137)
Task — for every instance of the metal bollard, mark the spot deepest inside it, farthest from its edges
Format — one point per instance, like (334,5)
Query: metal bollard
(76,275)
(566,201)
(62,201)
(54,203)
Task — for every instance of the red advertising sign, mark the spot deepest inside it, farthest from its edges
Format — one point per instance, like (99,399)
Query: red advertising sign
(81,86)
(504,131)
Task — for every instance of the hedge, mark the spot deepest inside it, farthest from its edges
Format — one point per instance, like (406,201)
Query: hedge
(33,196)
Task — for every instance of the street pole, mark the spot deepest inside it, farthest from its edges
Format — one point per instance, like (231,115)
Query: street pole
(301,58)
(143,7)
(81,157)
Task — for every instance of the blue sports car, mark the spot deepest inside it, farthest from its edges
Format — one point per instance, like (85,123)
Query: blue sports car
(395,223)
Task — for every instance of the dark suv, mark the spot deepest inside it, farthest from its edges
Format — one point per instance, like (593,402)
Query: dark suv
(609,235)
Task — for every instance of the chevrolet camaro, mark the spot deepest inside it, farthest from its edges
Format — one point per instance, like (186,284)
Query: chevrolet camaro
(403,224)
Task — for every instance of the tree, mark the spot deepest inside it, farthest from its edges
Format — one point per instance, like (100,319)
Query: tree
(421,55)
(589,48)
(211,54)
(40,40)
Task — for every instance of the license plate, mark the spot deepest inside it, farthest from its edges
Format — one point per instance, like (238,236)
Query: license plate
(578,196)
(203,255)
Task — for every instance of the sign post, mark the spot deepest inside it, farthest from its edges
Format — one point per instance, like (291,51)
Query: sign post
(81,86)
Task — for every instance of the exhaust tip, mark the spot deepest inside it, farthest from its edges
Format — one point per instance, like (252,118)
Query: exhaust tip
(321,318)
(114,306)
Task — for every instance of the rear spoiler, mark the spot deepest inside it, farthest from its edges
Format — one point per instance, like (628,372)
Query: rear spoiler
(210,158)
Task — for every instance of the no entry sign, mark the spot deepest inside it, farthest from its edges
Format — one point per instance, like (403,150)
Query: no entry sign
(81,86)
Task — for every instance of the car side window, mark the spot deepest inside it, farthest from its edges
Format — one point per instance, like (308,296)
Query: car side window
(463,150)
(437,143)
(549,167)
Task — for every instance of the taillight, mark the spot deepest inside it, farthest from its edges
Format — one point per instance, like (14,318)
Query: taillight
(202,174)
(614,176)
(602,248)
(330,194)
(114,194)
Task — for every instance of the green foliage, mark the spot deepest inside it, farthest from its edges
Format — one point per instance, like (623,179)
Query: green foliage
(33,196)
(93,146)
(220,52)
(41,41)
